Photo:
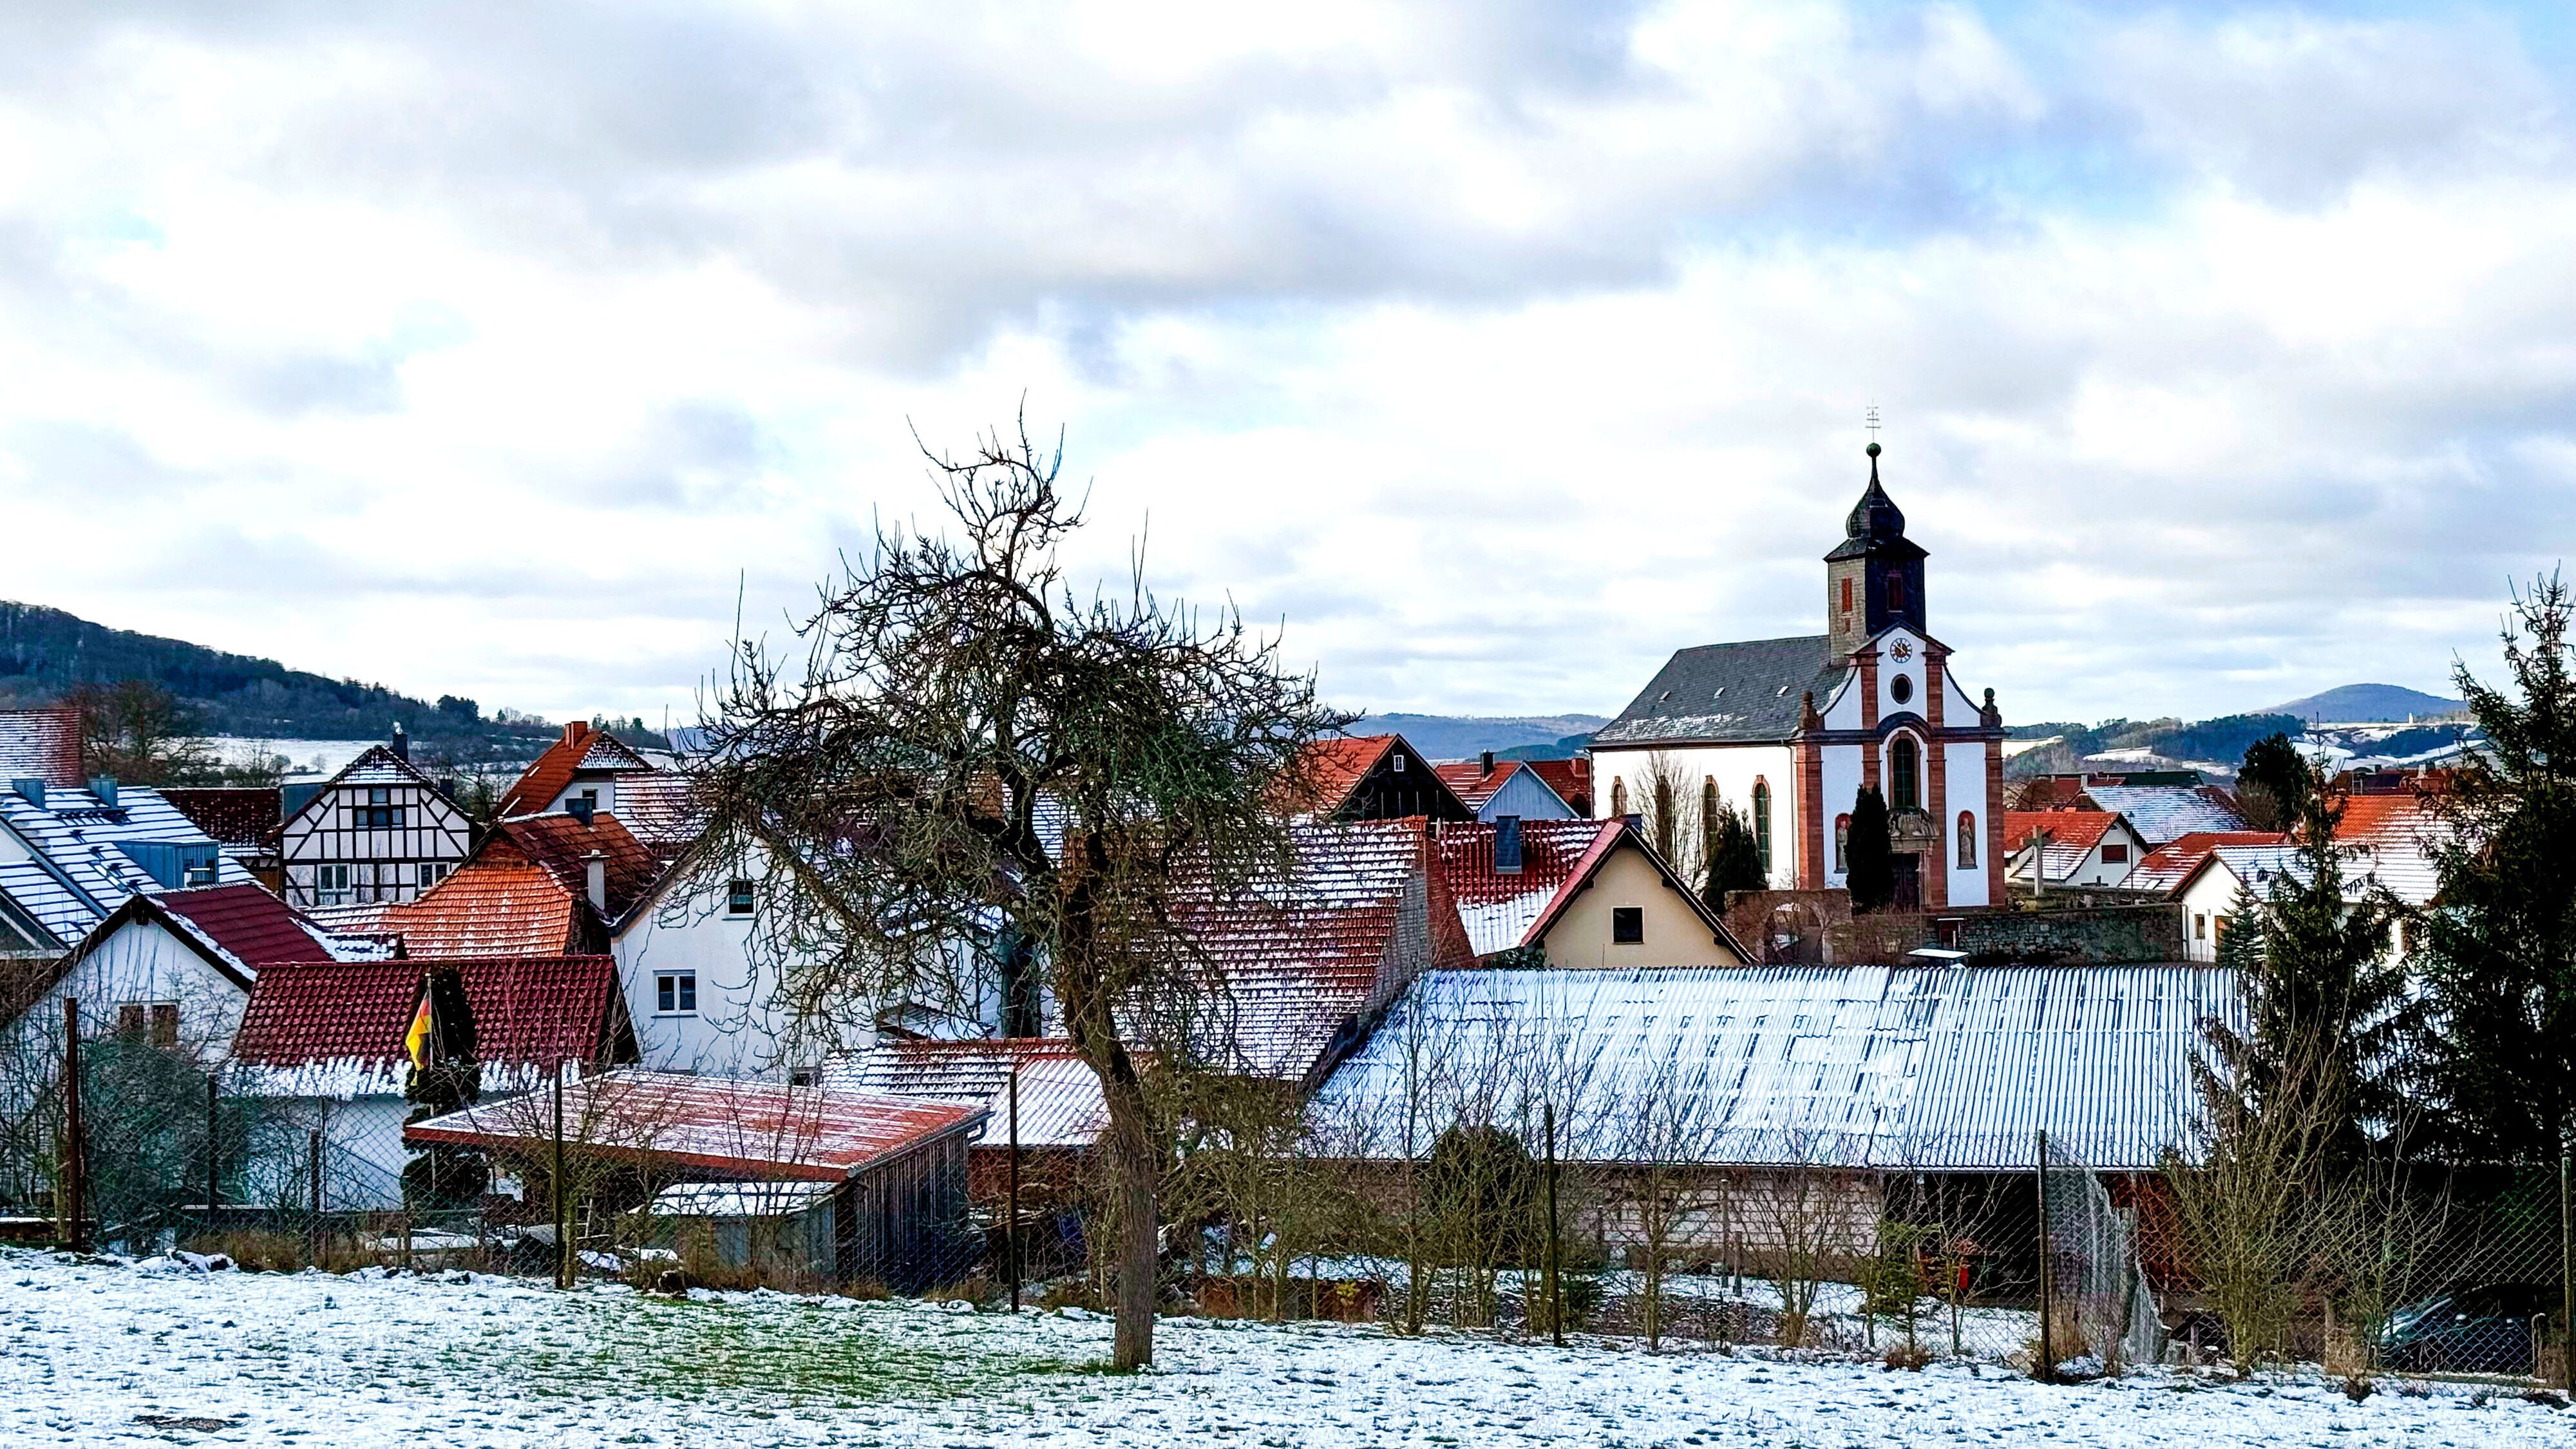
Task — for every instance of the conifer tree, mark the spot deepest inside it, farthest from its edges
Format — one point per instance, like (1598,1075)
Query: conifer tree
(2497,951)
(1734,856)
(1869,855)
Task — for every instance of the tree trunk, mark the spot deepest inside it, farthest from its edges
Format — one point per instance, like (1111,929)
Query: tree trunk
(1139,1261)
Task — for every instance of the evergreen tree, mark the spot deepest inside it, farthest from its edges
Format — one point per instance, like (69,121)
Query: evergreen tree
(1869,857)
(2328,1014)
(1734,856)
(2497,953)
(443,1078)
(2273,784)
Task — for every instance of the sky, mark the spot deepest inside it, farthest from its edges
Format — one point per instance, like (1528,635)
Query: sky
(1493,349)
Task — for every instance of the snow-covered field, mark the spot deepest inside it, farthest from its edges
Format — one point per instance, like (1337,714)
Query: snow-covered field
(98,1352)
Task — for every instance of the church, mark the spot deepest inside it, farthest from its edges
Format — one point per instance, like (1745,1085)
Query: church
(1789,731)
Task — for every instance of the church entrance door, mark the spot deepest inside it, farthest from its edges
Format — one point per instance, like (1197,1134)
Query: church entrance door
(1909,884)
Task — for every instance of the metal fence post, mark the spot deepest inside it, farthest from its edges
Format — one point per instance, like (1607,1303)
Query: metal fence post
(313,1228)
(2566,1277)
(1011,1232)
(74,1189)
(2046,1369)
(214,1148)
(563,1210)
(1554,1266)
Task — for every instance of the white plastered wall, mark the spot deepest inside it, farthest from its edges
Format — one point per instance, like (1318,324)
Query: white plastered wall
(1964,787)
(1674,933)
(1735,768)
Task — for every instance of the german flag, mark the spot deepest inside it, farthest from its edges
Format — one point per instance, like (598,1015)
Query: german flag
(417,1041)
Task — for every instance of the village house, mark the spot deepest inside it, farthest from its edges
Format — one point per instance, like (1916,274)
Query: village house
(1375,777)
(1791,730)
(2074,848)
(592,769)
(377,832)
(1576,893)
(72,851)
(244,821)
(322,1049)
(2389,842)
(1523,789)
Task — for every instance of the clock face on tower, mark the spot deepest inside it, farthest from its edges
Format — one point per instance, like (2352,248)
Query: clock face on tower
(1901,650)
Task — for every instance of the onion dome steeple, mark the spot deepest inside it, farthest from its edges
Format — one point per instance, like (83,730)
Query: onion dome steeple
(1874,577)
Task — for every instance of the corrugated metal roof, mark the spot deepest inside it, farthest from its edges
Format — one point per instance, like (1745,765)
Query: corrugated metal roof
(2162,814)
(1933,1068)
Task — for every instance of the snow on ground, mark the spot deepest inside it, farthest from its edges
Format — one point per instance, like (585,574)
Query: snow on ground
(100,1352)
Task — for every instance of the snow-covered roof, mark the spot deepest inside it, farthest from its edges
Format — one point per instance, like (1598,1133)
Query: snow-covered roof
(2393,838)
(1060,1101)
(80,869)
(1950,1068)
(2072,836)
(2162,814)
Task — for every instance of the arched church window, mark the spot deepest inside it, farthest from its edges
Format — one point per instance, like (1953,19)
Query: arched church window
(1904,775)
(1967,852)
(1842,841)
(1762,822)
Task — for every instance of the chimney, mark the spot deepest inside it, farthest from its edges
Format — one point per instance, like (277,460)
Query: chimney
(595,877)
(1634,821)
(1488,760)
(401,742)
(574,731)
(104,787)
(1507,845)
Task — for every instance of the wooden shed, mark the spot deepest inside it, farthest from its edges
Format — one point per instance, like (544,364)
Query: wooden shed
(894,1167)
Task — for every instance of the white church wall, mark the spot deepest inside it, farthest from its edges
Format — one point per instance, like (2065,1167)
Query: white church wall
(1735,768)
(1909,670)
(1963,768)
(1842,775)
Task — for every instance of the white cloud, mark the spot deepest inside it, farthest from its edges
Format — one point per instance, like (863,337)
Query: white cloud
(1499,348)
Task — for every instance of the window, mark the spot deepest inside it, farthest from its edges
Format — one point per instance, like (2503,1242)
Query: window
(1846,593)
(1762,822)
(1895,593)
(1965,858)
(163,1016)
(1904,775)
(199,872)
(431,872)
(1627,925)
(1842,841)
(738,898)
(165,1023)
(2200,926)
(2114,853)
(675,992)
(1398,766)
(1901,688)
(589,801)
(129,1019)
(330,885)
(380,812)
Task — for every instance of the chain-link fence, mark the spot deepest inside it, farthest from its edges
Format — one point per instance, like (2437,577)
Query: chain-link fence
(121,1139)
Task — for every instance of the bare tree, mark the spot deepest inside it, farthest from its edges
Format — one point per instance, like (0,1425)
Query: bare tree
(967,748)
(1673,806)
(1667,1136)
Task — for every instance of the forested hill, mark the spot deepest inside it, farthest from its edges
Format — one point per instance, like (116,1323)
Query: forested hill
(45,652)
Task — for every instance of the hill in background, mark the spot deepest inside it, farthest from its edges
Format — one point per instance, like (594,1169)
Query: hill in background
(45,652)
(2362,703)
(1459,737)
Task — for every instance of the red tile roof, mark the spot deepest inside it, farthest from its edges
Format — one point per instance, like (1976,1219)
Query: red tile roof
(753,1130)
(1571,780)
(2076,830)
(1331,769)
(1299,962)
(1474,783)
(41,744)
(2169,865)
(529,1011)
(245,818)
(581,748)
(246,923)
(500,903)
(2394,837)
(563,844)
(1502,910)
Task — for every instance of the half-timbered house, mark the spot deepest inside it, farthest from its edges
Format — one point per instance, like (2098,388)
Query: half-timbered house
(379,831)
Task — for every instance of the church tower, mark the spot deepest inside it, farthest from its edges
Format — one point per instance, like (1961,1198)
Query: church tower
(1874,577)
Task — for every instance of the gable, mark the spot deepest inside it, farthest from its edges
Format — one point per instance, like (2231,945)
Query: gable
(1677,932)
